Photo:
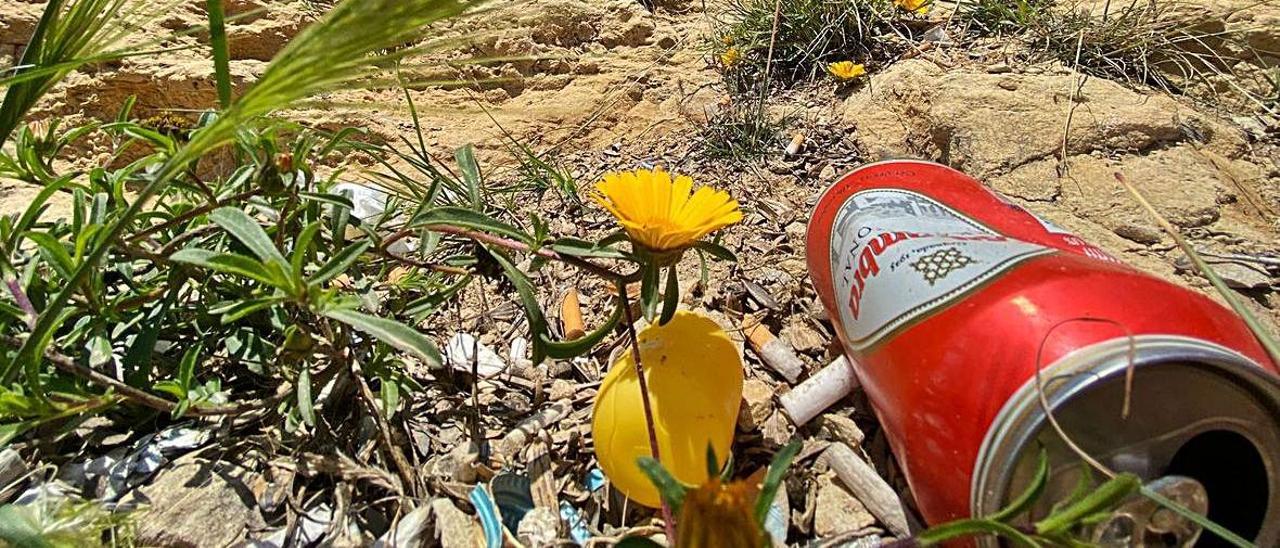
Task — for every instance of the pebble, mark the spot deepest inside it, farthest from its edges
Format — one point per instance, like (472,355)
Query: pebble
(803,338)
(999,68)
(1240,276)
(1143,234)
(757,404)
(838,511)
(842,428)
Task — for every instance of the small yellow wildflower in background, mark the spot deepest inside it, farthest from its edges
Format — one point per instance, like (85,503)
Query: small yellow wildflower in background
(846,70)
(661,213)
(730,57)
(914,6)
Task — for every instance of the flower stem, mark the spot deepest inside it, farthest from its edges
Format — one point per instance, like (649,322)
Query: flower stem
(667,518)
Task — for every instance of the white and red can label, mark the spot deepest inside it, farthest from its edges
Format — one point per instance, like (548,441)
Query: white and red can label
(898,255)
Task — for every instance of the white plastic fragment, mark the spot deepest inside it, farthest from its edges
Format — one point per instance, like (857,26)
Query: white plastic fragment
(463,349)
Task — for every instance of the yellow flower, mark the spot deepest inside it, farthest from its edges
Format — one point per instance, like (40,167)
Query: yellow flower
(727,40)
(846,70)
(730,57)
(660,213)
(915,6)
(717,514)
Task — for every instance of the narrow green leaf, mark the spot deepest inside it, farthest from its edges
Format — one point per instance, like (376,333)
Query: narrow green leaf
(773,479)
(229,263)
(8,431)
(305,409)
(670,296)
(187,367)
(529,300)
(716,250)
(240,225)
(99,351)
(1198,519)
(391,332)
(37,205)
(466,157)
(970,527)
(1030,494)
(1104,497)
(335,200)
(669,487)
(713,466)
(53,252)
(221,58)
(563,350)
(466,218)
(649,291)
(157,139)
(301,247)
(583,248)
(339,263)
(235,310)
(12,311)
(389,393)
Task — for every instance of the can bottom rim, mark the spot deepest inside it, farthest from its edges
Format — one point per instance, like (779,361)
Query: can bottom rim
(1022,420)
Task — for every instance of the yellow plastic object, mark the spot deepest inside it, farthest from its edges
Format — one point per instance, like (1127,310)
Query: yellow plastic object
(694,375)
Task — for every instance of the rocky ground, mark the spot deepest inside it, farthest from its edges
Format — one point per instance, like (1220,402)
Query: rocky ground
(611,85)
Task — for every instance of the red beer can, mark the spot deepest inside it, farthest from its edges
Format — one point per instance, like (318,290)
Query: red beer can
(947,297)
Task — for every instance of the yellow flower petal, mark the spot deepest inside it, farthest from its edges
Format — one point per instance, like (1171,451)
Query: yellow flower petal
(846,70)
(663,212)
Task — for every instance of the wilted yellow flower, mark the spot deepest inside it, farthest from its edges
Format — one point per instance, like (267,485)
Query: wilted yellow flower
(727,39)
(660,213)
(730,57)
(716,515)
(915,6)
(846,70)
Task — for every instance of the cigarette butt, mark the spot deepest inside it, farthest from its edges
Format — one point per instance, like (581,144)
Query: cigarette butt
(868,487)
(571,315)
(820,391)
(774,352)
(797,141)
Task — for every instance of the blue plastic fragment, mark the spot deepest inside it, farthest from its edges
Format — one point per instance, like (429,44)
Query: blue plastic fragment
(488,513)
(595,479)
(577,524)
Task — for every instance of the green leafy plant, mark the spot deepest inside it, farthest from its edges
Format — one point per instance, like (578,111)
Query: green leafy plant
(809,34)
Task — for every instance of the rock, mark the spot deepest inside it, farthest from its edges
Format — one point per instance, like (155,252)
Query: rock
(539,527)
(455,528)
(776,430)
(757,404)
(803,338)
(828,174)
(999,68)
(1241,276)
(196,502)
(838,511)
(842,428)
(796,232)
(1141,233)
(561,390)
(915,107)
(260,38)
